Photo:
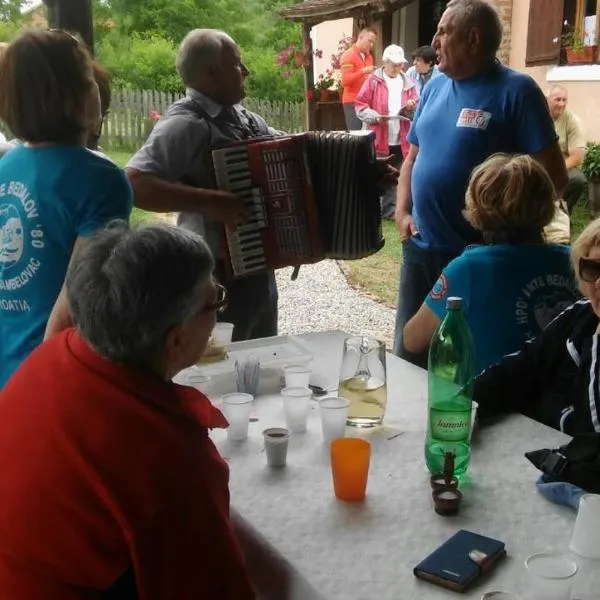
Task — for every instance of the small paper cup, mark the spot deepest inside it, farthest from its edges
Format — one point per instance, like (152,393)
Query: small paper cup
(586,532)
(276,446)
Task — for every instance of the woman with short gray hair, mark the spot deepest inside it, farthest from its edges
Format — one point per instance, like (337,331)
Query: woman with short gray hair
(135,495)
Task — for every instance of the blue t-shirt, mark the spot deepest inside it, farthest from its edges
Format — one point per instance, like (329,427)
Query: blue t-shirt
(510,293)
(49,196)
(457,126)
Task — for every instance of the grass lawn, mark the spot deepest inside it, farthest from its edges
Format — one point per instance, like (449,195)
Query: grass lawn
(377,275)
(137,215)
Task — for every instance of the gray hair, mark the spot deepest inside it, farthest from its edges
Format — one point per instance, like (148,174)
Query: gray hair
(553,87)
(128,288)
(199,48)
(481,14)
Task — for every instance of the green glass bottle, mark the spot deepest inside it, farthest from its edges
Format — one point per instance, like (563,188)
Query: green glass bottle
(450,391)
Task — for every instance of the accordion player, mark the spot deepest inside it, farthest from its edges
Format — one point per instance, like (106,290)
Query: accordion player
(310,196)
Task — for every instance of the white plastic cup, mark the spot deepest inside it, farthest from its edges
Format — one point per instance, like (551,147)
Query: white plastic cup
(237,408)
(296,376)
(200,382)
(222,333)
(586,533)
(551,576)
(276,445)
(334,413)
(296,406)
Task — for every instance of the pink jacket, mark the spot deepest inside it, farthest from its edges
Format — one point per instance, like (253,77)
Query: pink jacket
(372,102)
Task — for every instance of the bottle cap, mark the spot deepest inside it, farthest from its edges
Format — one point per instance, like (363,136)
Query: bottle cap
(454,302)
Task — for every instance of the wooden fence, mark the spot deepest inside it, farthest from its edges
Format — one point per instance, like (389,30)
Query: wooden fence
(133,113)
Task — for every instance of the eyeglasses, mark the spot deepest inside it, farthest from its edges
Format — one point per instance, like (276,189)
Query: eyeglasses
(589,270)
(221,302)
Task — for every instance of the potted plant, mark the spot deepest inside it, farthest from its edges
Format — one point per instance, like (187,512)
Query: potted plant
(590,167)
(324,86)
(578,49)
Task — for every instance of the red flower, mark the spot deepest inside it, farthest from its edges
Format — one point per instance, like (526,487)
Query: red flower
(319,53)
(310,95)
(154,115)
(285,74)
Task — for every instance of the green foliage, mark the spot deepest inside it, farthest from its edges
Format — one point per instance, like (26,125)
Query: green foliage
(10,10)
(140,62)
(7,30)
(265,80)
(590,166)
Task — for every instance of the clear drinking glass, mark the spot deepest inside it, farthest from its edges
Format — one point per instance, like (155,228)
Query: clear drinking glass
(363,381)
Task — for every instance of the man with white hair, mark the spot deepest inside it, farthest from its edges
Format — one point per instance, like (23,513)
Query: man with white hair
(476,108)
(171,173)
(571,139)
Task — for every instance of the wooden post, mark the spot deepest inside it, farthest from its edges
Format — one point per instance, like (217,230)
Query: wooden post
(74,16)
(310,116)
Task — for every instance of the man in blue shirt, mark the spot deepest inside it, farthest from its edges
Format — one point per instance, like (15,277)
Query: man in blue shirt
(476,108)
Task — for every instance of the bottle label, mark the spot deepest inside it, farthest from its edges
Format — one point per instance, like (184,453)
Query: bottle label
(450,426)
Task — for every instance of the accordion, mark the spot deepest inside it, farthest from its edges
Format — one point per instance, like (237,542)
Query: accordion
(310,196)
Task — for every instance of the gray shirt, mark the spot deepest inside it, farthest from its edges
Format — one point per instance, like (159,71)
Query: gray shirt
(177,150)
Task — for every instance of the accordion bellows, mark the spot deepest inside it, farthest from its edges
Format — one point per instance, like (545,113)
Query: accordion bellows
(311,196)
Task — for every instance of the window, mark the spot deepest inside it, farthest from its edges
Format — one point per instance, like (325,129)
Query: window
(550,19)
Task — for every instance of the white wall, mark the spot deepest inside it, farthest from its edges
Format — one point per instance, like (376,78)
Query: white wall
(325,36)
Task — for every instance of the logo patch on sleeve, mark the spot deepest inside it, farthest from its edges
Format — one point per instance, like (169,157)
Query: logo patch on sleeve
(440,289)
(473,118)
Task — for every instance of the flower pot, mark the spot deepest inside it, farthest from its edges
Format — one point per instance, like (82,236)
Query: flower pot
(582,56)
(324,95)
(594,197)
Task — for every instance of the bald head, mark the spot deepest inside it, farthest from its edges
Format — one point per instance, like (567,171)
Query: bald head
(557,98)
(200,49)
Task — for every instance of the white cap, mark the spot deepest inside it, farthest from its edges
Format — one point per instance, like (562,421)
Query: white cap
(394,54)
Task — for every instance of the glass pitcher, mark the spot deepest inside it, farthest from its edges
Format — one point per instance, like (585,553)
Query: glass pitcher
(363,380)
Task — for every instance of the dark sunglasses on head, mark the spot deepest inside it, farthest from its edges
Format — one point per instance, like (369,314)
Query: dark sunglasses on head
(589,270)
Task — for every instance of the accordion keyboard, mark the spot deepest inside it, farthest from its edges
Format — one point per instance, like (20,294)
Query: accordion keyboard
(232,173)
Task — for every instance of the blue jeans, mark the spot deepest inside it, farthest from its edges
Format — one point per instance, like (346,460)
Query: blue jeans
(420,270)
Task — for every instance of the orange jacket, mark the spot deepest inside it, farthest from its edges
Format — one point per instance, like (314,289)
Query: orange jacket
(351,63)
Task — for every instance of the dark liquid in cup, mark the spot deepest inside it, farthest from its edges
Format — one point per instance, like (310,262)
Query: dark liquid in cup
(276,435)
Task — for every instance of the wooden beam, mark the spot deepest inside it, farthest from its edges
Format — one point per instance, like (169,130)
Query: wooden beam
(310,115)
(74,16)
(597,24)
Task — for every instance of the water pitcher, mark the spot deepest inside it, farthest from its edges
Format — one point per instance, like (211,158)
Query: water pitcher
(363,380)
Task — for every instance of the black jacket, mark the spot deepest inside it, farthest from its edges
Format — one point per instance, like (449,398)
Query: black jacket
(554,379)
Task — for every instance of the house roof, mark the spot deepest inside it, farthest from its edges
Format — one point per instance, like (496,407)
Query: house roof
(325,10)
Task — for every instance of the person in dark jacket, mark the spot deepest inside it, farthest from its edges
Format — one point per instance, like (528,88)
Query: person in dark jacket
(555,378)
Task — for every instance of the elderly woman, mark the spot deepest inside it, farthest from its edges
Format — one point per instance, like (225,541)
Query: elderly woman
(554,378)
(514,284)
(120,490)
(385,104)
(55,192)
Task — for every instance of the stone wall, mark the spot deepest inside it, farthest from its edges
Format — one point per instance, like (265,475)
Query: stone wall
(505,8)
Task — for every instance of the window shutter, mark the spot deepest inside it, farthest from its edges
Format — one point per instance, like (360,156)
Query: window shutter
(544,31)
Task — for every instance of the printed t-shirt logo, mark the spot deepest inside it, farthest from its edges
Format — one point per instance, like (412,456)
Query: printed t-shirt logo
(474,118)
(11,236)
(22,243)
(440,289)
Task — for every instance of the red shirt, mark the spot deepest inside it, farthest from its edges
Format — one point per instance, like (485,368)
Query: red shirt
(105,468)
(351,63)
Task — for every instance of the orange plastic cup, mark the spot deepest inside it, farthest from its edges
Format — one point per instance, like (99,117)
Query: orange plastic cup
(350,459)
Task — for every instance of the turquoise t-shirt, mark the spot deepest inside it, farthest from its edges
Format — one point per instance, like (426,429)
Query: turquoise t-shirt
(510,293)
(49,196)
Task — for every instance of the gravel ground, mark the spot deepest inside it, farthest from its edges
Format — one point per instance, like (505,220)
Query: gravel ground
(321,299)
